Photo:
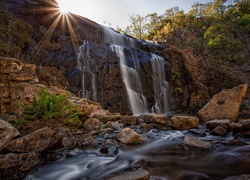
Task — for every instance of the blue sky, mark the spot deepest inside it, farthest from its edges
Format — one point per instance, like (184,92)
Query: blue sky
(116,11)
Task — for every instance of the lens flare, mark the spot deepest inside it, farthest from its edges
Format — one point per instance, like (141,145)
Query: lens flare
(63,8)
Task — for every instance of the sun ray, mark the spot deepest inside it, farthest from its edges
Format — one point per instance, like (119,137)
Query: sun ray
(70,23)
(72,34)
(48,34)
(76,18)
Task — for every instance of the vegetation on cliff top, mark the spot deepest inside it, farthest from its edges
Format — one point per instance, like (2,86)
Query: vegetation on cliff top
(221,29)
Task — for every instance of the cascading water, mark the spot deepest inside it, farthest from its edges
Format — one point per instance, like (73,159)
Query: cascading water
(112,37)
(160,85)
(87,66)
(131,62)
(131,76)
(131,79)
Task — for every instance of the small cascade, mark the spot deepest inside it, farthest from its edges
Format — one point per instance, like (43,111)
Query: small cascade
(131,79)
(160,85)
(112,37)
(88,75)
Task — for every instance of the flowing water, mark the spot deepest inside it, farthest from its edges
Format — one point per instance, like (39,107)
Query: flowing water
(163,155)
(130,64)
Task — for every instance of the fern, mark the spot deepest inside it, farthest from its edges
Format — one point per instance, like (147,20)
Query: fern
(51,106)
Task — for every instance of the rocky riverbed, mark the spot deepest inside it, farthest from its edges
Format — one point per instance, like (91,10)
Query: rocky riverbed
(213,144)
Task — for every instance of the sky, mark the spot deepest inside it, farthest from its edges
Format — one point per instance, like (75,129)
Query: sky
(116,12)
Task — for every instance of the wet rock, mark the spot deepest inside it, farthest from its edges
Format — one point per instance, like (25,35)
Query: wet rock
(128,136)
(235,142)
(195,142)
(24,160)
(242,127)
(160,126)
(241,177)
(37,141)
(147,127)
(236,127)
(115,125)
(130,120)
(225,123)
(109,149)
(67,142)
(224,105)
(219,131)
(110,117)
(7,133)
(141,174)
(154,118)
(91,124)
(197,132)
(194,176)
(245,125)
(184,122)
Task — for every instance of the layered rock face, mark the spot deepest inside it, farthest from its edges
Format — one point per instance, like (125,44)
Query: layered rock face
(19,83)
(122,73)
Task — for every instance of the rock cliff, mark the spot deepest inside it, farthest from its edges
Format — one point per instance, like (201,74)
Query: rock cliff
(90,57)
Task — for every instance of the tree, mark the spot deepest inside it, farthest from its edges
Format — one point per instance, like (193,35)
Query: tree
(19,33)
(138,27)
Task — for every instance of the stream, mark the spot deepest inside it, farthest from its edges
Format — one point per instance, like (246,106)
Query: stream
(162,154)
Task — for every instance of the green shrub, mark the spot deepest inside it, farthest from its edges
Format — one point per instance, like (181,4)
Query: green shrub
(175,75)
(177,91)
(51,106)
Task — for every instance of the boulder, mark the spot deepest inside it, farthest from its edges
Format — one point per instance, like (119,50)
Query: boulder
(225,123)
(110,117)
(219,131)
(91,124)
(141,174)
(234,142)
(7,133)
(184,122)
(128,136)
(25,161)
(241,177)
(242,127)
(37,141)
(195,142)
(245,127)
(224,105)
(245,124)
(130,120)
(115,125)
(154,118)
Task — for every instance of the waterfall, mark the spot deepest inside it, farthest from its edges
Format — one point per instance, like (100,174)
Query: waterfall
(110,36)
(88,74)
(160,83)
(132,63)
(131,79)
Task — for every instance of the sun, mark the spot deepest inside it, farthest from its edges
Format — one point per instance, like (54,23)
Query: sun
(63,6)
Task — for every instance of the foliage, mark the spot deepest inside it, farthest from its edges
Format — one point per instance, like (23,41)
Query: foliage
(221,28)
(15,35)
(177,91)
(19,33)
(51,106)
(175,75)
